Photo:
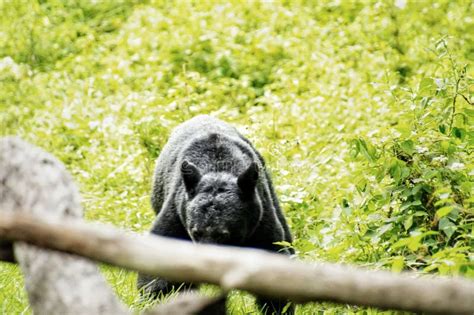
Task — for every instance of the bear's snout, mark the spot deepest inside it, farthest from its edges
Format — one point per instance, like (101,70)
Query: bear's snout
(212,235)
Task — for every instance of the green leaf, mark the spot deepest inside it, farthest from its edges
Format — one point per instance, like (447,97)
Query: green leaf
(427,86)
(414,243)
(407,205)
(459,133)
(401,243)
(447,227)
(430,173)
(408,222)
(283,243)
(420,214)
(408,147)
(430,268)
(444,146)
(425,101)
(398,263)
(443,211)
(366,149)
(395,171)
(287,306)
(405,172)
(384,229)
(442,128)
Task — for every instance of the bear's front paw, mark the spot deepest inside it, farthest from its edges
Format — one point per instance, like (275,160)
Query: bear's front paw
(153,287)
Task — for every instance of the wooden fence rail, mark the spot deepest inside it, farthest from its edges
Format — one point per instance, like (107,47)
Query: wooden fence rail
(255,271)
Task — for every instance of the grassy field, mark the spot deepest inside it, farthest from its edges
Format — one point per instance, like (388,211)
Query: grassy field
(362,110)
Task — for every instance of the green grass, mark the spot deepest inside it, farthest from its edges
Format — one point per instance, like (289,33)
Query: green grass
(351,104)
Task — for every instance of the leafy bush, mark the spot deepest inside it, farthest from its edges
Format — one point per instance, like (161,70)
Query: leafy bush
(427,188)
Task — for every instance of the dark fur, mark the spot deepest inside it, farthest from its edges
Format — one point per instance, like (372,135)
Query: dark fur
(211,185)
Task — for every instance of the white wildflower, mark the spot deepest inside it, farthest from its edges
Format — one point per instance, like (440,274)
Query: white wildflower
(440,159)
(421,149)
(401,4)
(456,166)
(8,68)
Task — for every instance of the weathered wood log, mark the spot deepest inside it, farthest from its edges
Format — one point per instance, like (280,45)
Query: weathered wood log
(33,181)
(252,270)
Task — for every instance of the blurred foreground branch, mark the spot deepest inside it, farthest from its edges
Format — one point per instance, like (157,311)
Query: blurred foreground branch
(255,271)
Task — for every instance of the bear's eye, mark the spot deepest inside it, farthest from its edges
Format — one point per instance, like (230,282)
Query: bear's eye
(221,190)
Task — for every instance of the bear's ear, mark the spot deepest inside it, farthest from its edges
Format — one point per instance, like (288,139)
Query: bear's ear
(191,176)
(248,179)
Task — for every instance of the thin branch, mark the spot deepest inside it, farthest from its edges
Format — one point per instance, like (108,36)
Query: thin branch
(454,103)
(465,98)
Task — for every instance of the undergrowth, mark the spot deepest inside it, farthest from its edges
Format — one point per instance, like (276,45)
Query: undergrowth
(363,112)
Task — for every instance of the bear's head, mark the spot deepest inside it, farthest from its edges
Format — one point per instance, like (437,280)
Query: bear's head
(221,208)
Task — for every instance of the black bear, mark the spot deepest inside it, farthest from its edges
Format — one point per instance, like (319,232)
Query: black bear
(211,186)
